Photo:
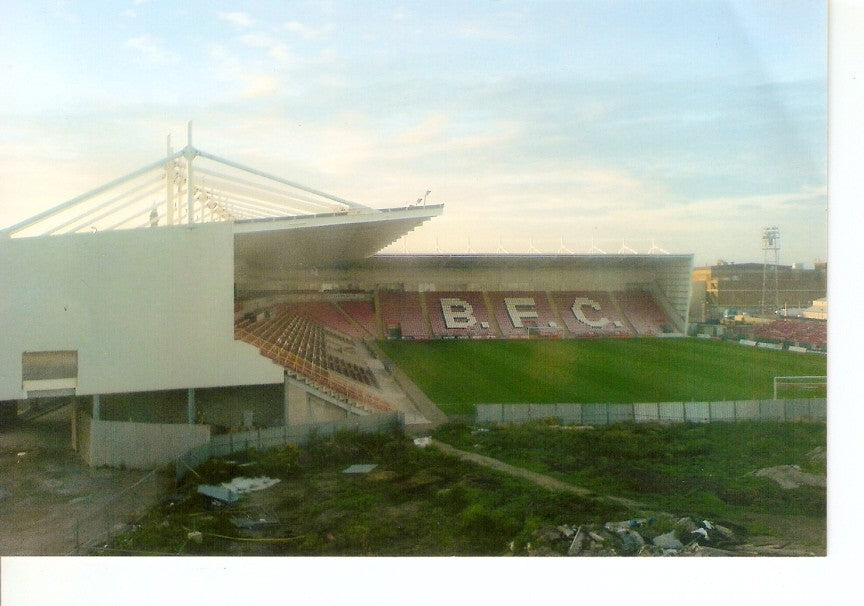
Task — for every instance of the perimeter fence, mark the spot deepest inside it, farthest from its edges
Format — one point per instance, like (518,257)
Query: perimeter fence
(118,512)
(127,507)
(655,412)
(262,439)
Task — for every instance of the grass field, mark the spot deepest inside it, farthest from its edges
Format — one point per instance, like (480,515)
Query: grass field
(456,375)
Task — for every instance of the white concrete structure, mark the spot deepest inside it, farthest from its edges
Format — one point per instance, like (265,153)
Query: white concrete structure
(130,287)
(145,310)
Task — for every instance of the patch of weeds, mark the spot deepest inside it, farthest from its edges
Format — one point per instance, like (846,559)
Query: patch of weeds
(281,462)
(454,498)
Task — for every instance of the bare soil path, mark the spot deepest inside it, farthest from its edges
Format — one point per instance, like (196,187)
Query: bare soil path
(538,478)
(785,535)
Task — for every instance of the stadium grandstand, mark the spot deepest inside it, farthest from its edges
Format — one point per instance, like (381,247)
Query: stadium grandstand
(198,280)
(782,305)
(743,287)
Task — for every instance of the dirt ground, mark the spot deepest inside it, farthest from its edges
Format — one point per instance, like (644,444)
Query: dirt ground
(48,494)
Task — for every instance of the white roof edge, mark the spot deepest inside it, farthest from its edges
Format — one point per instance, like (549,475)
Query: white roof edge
(347,218)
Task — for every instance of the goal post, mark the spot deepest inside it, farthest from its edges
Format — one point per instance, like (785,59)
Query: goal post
(801,386)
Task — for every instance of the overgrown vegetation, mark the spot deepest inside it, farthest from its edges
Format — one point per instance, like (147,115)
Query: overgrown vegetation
(421,502)
(415,502)
(701,469)
(457,375)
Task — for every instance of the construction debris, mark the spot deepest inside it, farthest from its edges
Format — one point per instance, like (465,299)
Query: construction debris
(578,541)
(642,537)
(254,523)
(668,541)
(360,468)
(245,485)
(218,493)
(230,492)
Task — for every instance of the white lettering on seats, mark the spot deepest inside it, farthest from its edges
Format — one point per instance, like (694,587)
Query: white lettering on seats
(581,302)
(517,315)
(457,313)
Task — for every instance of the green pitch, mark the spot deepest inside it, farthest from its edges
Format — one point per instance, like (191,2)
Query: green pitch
(456,375)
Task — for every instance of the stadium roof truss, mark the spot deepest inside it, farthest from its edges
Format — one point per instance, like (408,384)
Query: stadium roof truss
(191,186)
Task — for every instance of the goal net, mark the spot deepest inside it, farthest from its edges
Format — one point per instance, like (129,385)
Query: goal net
(799,387)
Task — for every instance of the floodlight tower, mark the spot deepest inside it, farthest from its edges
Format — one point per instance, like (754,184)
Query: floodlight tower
(770,243)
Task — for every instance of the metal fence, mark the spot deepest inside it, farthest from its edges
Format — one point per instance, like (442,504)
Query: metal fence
(655,412)
(129,506)
(261,439)
(119,511)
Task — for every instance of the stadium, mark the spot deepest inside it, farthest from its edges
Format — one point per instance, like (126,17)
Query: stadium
(197,296)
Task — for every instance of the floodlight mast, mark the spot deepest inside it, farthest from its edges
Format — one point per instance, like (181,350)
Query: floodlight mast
(770,243)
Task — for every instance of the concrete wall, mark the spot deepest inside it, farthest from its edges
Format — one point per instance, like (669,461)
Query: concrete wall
(145,309)
(82,426)
(302,408)
(142,445)
(655,412)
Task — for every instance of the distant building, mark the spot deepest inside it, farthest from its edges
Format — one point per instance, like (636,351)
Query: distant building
(817,311)
(739,286)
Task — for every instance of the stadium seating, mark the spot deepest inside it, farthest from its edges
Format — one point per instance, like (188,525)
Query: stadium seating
(451,317)
(402,310)
(299,343)
(811,334)
(522,313)
(453,314)
(642,312)
(582,319)
(328,314)
(363,313)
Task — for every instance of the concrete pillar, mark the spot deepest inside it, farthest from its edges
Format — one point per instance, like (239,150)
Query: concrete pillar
(74,424)
(96,407)
(302,407)
(296,400)
(190,406)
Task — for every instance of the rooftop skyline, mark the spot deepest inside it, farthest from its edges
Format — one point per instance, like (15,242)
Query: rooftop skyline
(688,126)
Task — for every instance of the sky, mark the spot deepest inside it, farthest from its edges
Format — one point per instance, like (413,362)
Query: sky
(684,126)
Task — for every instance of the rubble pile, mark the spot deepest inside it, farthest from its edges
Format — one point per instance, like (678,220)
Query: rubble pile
(638,537)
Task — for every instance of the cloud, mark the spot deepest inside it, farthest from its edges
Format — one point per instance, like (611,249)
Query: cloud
(306,32)
(236,18)
(260,85)
(276,49)
(430,129)
(251,83)
(150,48)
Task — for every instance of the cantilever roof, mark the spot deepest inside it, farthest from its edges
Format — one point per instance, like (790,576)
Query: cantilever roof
(277,222)
(185,187)
(324,240)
